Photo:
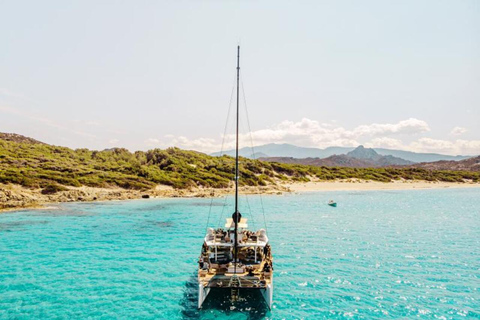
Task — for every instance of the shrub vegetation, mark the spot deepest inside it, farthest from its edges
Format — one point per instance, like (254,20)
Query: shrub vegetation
(51,167)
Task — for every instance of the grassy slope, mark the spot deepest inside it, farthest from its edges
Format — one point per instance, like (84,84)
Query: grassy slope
(41,165)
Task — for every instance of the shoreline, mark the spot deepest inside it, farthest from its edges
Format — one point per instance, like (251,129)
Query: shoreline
(16,198)
(368,185)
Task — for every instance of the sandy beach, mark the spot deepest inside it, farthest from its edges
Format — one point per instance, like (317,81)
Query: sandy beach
(362,185)
(15,197)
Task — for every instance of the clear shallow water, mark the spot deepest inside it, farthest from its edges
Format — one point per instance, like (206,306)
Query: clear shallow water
(379,254)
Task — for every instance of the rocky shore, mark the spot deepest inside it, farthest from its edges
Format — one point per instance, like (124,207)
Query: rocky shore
(14,197)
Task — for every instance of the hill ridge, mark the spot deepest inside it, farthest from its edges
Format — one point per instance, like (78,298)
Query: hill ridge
(289,150)
(40,165)
(14,137)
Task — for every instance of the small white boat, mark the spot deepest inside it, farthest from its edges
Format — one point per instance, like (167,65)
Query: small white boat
(332,203)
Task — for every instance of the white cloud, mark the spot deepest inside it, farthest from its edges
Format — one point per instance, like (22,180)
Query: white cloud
(457,147)
(152,142)
(113,141)
(385,142)
(432,144)
(307,133)
(469,147)
(206,144)
(458,131)
(464,147)
(409,126)
(311,133)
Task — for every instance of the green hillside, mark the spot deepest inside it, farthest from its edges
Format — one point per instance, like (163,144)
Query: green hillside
(40,165)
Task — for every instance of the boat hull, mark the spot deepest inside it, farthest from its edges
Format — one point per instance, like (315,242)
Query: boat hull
(226,293)
(202,294)
(268,295)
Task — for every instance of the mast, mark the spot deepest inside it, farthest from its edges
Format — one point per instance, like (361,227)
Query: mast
(237,216)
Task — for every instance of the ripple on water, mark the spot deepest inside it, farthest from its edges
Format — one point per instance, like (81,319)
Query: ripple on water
(406,254)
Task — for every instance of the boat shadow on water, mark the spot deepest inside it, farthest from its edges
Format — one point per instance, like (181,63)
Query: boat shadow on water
(250,305)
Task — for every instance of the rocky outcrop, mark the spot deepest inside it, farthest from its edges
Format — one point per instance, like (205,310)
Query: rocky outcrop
(16,197)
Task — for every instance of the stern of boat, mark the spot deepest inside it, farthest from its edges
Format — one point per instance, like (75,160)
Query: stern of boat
(202,294)
(267,294)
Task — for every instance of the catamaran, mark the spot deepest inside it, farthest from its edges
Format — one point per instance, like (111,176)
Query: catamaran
(234,257)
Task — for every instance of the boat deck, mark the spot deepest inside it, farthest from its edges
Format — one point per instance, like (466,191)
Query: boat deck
(246,238)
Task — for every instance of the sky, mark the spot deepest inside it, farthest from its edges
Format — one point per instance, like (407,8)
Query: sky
(153,74)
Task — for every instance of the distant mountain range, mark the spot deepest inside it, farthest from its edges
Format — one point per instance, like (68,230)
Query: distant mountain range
(285,150)
(291,151)
(360,157)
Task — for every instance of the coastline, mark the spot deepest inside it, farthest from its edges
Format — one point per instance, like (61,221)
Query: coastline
(15,197)
(365,185)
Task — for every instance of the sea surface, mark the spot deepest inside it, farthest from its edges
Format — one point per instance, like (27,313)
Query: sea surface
(378,255)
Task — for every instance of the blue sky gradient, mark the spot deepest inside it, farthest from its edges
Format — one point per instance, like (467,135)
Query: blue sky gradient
(144,74)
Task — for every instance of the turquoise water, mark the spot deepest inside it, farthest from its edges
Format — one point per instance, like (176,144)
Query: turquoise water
(378,255)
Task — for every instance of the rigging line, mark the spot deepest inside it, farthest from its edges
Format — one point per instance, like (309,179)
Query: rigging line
(263,210)
(253,150)
(209,212)
(251,214)
(223,210)
(223,142)
(228,117)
